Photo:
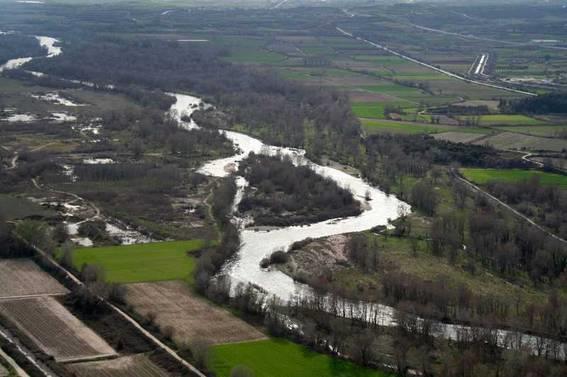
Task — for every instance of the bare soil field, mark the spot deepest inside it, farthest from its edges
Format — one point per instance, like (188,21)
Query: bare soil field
(191,317)
(22,277)
(54,329)
(509,140)
(458,137)
(127,366)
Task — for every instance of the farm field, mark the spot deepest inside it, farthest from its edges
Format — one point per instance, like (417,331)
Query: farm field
(387,126)
(482,176)
(510,140)
(192,317)
(54,329)
(281,358)
(368,110)
(126,366)
(22,277)
(458,137)
(509,120)
(547,131)
(142,262)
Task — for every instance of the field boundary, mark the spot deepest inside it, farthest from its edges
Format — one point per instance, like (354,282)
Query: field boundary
(70,276)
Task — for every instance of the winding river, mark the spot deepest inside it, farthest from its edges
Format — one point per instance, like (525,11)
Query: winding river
(257,244)
(245,267)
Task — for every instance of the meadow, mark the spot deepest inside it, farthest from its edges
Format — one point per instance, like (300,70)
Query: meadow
(281,358)
(482,176)
(156,261)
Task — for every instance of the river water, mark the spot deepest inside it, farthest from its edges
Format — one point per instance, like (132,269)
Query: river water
(258,244)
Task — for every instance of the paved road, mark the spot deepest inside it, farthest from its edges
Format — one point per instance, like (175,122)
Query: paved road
(440,70)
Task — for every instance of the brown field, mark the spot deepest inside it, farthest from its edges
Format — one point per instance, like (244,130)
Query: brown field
(22,277)
(127,366)
(509,140)
(54,329)
(360,96)
(191,317)
(458,137)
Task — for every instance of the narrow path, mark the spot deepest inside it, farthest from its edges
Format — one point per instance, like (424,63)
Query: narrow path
(36,149)
(432,67)
(77,198)
(475,188)
(527,156)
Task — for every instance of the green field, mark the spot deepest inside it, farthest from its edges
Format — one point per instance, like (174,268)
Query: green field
(281,358)
(143,262)
(368,110)
(482,176)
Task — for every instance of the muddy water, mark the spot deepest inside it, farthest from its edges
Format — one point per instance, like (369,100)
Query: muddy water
(245,268)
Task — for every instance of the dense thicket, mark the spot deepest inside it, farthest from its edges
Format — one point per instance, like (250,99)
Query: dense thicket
(283,194)
(150,129)
(545,204)
(550,103)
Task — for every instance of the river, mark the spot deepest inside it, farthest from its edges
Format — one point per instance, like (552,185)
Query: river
(257,244)
(245,267)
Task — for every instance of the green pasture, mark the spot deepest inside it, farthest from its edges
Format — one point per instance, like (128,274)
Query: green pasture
(155,261)
(281,358)
(482,176)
